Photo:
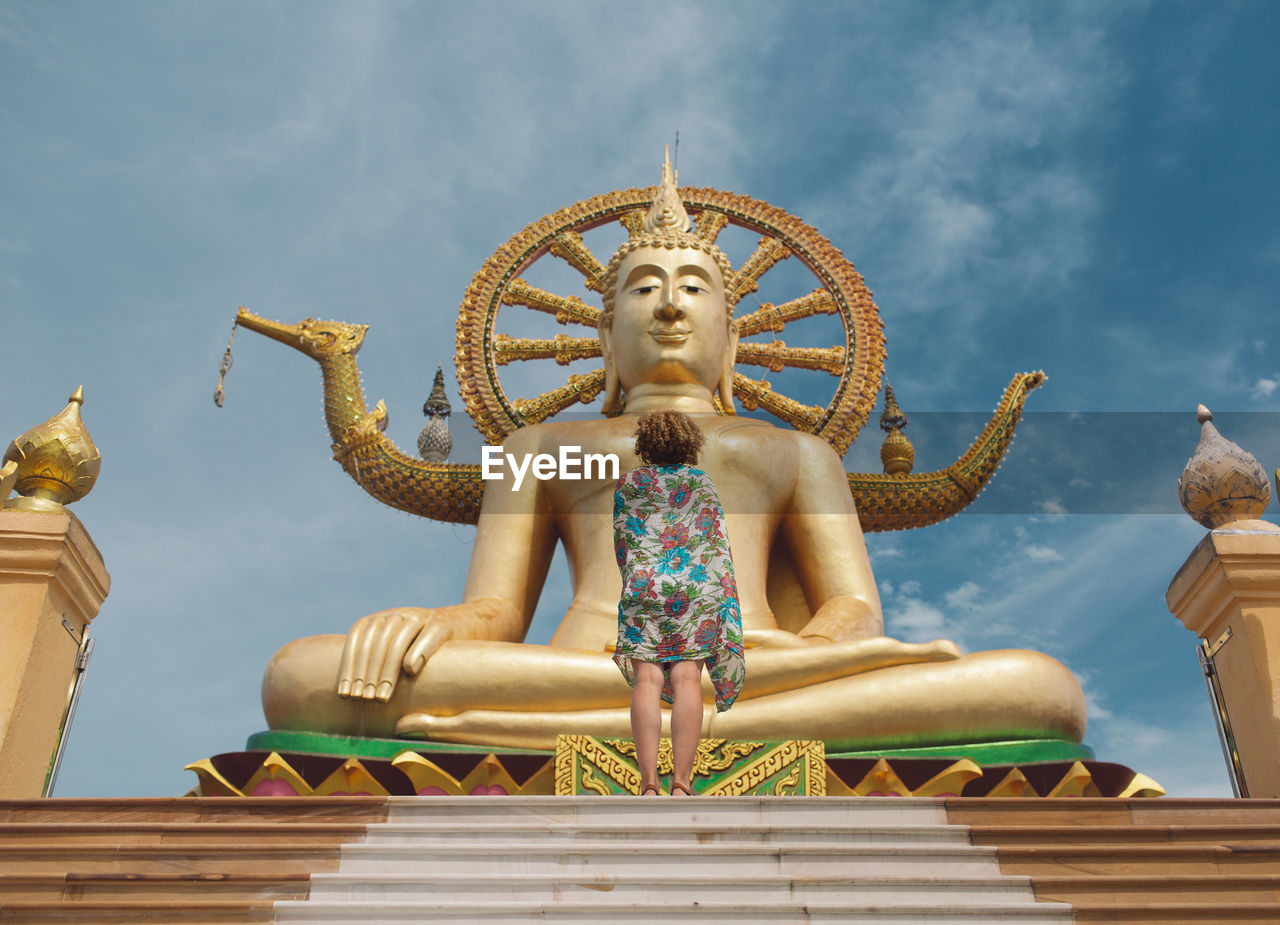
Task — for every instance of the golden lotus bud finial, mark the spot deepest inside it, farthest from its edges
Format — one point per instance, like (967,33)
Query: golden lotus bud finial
(1222,483)
(53,463)
(896,453)
(667,215)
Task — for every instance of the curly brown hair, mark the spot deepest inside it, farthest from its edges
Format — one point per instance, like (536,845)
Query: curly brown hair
(667,438)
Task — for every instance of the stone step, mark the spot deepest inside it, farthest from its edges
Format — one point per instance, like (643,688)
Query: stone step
(1097,888)
(179,833)
(1016,811)
(656,913)
(197,809)
(811,860)
(1149,860)
(1214,834)
(917,890)
(634,811)
(142,912)
(81,887)
(1168,913)
(658,834)
(223,858)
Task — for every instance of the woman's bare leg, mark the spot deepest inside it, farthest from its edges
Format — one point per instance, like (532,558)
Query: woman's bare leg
(686,720)
(646,719)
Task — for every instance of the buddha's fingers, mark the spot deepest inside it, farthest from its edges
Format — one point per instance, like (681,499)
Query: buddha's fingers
(436,632)
(356,643)
(770,670)
(368,657)
(390,625)
(393,657)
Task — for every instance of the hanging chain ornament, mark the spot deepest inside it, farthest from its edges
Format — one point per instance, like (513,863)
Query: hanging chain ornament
(223,368)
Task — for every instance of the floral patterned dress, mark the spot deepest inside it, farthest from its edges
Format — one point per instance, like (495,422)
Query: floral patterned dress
(679,598)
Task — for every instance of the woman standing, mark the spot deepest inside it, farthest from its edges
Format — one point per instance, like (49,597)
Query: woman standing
(679,607)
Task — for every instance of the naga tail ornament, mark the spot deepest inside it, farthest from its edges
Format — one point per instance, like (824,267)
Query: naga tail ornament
(441,491)
(452,492)
(901,502)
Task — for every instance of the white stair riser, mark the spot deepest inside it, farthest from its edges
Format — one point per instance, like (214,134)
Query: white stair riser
(557,889)
(318,913)
(845,864)
(424,835)
(634,812)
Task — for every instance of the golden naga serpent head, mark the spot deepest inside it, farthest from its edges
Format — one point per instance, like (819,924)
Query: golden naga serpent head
(317,339)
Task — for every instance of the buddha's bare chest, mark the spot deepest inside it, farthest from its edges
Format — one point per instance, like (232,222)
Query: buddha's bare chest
(752,471)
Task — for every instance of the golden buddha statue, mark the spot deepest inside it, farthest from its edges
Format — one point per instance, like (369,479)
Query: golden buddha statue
(820,670)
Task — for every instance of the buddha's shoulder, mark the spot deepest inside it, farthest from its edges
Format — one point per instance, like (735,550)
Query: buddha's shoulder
(752,431)
(588,434)
(555,429)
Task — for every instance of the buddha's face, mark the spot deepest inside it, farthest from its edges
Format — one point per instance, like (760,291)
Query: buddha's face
(670,324)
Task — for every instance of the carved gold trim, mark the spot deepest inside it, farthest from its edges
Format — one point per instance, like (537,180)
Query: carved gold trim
(722,767)
(573,250)
(561,348)
(769,317)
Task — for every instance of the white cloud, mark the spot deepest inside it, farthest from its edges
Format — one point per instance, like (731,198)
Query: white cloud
(878,551)
(915,621)
(1053,506)
(964,597)
(1042,554)
(1264,388)
(1159,750)
(1093,698)
(949,173)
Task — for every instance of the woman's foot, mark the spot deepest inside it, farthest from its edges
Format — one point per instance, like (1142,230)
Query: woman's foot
(650,789)
(683,790)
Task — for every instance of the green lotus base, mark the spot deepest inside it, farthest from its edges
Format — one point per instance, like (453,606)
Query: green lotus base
(1020,751)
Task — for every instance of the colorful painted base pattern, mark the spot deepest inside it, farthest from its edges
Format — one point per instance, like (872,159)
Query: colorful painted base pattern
(607,767)
(585,765)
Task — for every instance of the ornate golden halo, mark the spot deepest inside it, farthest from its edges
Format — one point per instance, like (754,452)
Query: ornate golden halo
(858,362)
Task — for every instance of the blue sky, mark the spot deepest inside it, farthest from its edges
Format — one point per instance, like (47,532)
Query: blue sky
(1083,188)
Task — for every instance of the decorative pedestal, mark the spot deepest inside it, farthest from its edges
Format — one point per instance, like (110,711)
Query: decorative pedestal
(52,582)
(1228,594)
(308,764)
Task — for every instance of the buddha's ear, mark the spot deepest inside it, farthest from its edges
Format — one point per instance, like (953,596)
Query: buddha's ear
(725,389)
(612,390)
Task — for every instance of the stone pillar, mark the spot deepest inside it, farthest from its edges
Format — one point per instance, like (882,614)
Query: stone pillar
(1231,583)
(52,582)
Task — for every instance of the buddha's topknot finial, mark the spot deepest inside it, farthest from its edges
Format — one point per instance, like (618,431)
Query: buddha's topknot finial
(667,215)
(667,225)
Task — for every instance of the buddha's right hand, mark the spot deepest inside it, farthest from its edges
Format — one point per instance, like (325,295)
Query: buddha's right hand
(383,644)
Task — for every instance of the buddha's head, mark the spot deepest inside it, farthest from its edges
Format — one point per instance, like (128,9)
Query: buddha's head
(668,313)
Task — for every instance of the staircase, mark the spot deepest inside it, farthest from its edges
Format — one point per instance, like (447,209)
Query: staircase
(1166,860)
(629,859)
(169,860)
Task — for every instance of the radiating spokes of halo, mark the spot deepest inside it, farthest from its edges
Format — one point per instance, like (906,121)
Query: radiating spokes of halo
(767,319)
